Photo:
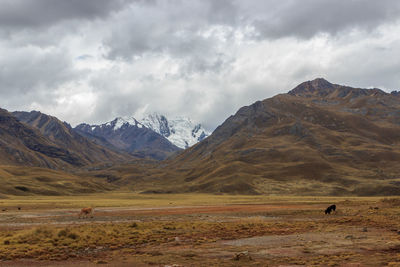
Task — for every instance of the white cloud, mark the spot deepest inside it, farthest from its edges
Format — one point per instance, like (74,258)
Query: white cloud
(202,59)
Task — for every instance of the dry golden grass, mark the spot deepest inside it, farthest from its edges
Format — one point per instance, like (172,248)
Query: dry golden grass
(130,199)
(198,239)
(19,180)
(50,242)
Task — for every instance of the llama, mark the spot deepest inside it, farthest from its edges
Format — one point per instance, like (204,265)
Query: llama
(330,209)
(85,212)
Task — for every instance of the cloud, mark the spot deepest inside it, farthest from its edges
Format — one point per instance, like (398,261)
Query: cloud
(30,73)
(90,61)
(179,27)
(188,31)
(30,14)
(304,19)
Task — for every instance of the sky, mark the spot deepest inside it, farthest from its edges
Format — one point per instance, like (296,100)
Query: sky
(91,61)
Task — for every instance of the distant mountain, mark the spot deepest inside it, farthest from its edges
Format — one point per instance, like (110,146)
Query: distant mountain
(180,131)
(318,139)
(62,135)
(21,144)
(127,134)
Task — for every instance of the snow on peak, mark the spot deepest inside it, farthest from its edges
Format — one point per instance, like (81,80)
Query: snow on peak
(180,131)
(119,122)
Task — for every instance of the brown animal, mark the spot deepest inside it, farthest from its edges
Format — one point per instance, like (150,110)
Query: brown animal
(85,212)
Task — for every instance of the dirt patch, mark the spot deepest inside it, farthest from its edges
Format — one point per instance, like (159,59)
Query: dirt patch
(64,217)
(208,209)
(214,235)
(349,239)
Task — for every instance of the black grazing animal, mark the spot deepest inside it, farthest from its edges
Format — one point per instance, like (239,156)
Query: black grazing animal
(330,208)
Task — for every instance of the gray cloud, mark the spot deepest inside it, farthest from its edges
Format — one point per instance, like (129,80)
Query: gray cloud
(29,69)
(274,19)
(45,13)
(93,60)
(173,26)
(33,76)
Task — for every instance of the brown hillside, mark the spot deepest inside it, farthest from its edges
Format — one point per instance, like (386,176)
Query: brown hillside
(58,148)
(21,180)
(23,145)
(62,134)
(320,138)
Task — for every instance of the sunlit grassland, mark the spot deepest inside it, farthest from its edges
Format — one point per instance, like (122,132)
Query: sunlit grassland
(55,242)
(129,199)
(163,239)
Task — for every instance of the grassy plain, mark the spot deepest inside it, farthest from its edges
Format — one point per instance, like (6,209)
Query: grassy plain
(129,199)
(130,229)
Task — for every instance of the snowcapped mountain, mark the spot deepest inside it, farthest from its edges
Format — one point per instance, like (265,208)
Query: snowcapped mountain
(127,134)
(180,131)
(110,127)
(154,135)
(120,122)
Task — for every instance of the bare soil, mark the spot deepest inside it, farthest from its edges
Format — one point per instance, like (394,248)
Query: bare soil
(357,234)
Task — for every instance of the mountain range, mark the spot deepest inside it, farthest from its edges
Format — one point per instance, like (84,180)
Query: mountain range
(36,139)
(318,139)
(129,135)
(154,136)
(180,131)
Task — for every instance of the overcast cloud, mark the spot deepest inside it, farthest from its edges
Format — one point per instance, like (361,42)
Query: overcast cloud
(90,61)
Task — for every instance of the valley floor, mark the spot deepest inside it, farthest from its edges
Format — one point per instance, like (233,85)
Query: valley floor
(199,230)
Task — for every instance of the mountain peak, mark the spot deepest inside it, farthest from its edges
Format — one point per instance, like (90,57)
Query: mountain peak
(321,88)
(179,130)
(318,86)
(119,122)
(129,135)
(320,82)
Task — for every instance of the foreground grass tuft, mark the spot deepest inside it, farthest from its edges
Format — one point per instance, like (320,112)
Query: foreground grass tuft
(84,240)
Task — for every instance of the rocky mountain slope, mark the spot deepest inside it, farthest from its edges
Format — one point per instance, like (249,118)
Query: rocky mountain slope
(320,138)
(21,144)
(129,135)
(180,131)
(62,135)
